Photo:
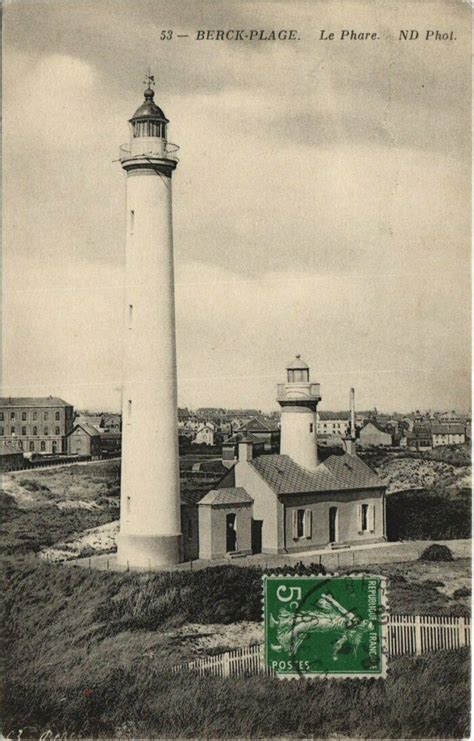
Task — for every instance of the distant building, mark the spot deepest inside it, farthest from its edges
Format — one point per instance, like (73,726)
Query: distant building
(38,424)
(418,439)
(372,435)
(449,417)
(110,444)
(11,456)
(265,430)
(448,434)
(112,422)
(84,440)
(332,423)
(231,444)
(205,435)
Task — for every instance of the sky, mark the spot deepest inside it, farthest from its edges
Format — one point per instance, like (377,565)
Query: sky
(321,205)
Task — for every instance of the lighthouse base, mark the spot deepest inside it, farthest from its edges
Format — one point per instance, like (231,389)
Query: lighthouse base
(153,552)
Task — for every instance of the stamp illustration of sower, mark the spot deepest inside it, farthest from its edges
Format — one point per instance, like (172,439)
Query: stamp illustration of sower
(325,626)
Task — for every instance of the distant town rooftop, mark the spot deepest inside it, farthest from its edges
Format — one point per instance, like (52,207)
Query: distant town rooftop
(33,401)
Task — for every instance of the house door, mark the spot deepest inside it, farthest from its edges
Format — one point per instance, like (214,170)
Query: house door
(257,536)
(231,535)
(55,446)
(333,525)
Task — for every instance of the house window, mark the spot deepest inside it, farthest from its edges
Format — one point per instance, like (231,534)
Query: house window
(1,416)
(302,521)
(12,430)
(311,427)
(23,416)
(20,444)
(57,431)
(57,416)
(23,430)
(35,430)
(364,523)
(2,432)
(42,445)
(46,431)
(32,446)
(12,415)
(35,415)
(366,518)
(45,417)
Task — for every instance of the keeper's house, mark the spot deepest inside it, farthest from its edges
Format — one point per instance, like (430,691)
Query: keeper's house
(292,501)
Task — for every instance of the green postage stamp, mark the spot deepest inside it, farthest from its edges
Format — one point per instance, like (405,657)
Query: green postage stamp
(325,626)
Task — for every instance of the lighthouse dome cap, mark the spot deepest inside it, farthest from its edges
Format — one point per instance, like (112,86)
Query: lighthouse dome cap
(149,109)
(297,364)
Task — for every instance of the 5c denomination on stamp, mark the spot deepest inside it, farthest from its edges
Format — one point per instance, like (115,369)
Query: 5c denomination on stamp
(325,626)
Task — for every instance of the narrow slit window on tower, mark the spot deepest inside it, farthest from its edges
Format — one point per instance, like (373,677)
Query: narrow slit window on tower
(130,315)
(132,221)
(129,408)
(128,505)
(311,427)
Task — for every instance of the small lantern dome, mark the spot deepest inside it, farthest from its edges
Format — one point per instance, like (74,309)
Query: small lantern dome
(149,120)
(297,370)
(297,364)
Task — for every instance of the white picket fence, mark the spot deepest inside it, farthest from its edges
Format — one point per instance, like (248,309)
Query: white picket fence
(406,634)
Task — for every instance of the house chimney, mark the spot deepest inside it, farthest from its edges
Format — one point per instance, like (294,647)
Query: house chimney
(350,445)
(245,449)
(353,414)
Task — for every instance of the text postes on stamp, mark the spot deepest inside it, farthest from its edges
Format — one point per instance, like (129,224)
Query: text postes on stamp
(327,626)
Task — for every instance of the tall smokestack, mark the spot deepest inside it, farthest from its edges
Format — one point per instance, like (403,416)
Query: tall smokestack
(353,414)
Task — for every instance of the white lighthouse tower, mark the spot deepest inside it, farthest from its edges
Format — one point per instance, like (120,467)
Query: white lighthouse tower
(299,400)
(150,528)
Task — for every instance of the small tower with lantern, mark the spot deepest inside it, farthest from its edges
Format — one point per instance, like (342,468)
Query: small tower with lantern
(150,529)
(298,399)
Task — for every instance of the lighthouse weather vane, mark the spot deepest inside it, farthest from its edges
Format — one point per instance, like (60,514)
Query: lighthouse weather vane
(149,79)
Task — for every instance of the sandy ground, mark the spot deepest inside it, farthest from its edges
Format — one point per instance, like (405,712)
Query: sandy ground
(100,539)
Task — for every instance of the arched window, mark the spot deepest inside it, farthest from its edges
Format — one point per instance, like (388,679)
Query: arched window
(42,445)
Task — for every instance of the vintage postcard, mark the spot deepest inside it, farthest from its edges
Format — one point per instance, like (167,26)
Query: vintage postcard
(235,415)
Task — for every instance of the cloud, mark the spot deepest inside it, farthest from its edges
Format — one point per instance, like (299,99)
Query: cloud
(320,203)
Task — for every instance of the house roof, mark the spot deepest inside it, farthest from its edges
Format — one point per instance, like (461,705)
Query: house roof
(333,416)
(231,495)
(190,496)
(336,473)
(240,437)
(374,424)
(32,401)
(92,431)
(259,424)
(448,429)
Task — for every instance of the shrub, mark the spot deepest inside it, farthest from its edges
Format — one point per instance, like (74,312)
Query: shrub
(428,515)
(462,592)
(437,552)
